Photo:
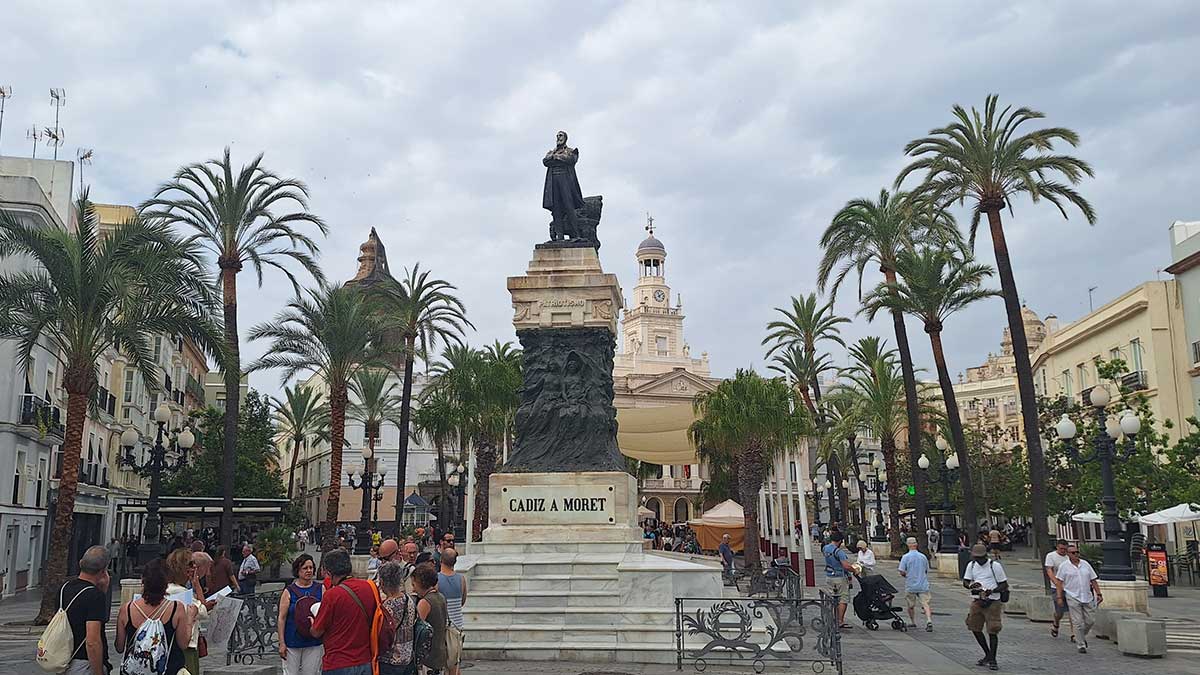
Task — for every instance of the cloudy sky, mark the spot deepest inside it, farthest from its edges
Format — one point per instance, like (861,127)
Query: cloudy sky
(742,127)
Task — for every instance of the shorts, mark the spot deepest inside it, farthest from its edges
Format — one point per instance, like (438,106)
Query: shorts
(838,587)
(1060,608)
(979,616)
(913,598)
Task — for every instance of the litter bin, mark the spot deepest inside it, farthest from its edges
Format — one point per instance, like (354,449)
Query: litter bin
(964,559)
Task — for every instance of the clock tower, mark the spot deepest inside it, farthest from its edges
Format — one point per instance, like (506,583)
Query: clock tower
(652,328)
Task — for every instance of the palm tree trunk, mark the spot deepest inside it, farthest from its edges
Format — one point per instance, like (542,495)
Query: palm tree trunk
(233,377)
(337,437)
(970,517)
(888,447)
(912,406)
(485,464)
(443,491)
(751,474)
(292,471)
(1029,411)
(405,416)
(64,508)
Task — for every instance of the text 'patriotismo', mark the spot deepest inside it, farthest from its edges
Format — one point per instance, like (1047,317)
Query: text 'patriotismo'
(543,504)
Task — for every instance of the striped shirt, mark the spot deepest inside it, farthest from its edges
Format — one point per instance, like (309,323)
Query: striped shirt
(451,588)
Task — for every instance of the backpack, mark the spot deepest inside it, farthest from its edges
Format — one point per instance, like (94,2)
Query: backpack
(422,633)
(56,648)
(302,613)
(149,650)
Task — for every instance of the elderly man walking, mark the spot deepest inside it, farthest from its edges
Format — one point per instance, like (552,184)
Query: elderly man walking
(726,552)
(914,567)
(1075,585)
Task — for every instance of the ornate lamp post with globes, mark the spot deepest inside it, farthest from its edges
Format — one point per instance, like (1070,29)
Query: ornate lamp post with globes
(456,478)
(153,467)
(368,482)
(878,478)
(1105,449)
(947,474)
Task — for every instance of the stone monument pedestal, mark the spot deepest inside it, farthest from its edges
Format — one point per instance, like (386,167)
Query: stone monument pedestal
(561,574)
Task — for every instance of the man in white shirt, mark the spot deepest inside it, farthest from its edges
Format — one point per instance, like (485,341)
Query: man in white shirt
(934,538)
(1050,568)
(986,580)
(1075,583)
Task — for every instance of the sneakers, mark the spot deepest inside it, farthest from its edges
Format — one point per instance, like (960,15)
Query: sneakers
(1082,646)
(912,624)
(983,662)
(928,626)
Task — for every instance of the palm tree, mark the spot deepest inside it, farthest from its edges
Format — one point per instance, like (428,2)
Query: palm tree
(333,332)
(301,417)
(878,389)
(837,448)
(376,403)
(747,421)
(88,292)
(935,283)
(989,159)
(865,233)
(807,325)
(425,312)
(237,219)
(438,419)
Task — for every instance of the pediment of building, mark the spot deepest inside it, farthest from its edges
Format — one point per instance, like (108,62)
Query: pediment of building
(675,383)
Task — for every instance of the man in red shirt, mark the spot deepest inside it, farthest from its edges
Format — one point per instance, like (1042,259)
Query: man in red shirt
(346,619)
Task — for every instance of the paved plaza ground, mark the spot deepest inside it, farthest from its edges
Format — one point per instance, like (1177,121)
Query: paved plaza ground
(1025,647)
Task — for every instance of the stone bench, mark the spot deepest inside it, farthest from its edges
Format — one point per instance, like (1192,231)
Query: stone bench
(1017,600)
(1105,627)
(1142,637)
(1039,608)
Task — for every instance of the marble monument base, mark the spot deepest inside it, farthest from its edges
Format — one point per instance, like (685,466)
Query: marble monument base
(561,574)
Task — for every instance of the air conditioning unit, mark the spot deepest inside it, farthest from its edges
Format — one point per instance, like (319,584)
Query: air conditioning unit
(1135,381)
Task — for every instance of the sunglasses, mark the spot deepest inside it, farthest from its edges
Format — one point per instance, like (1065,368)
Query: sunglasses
(1072,552)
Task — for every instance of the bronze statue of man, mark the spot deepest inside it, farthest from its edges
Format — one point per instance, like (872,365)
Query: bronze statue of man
(561,195)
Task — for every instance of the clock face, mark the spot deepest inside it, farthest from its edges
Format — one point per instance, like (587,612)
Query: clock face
(660,296)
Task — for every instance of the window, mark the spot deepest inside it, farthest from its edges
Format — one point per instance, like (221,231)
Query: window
(1045,387)
(18,478)
(1083,376)
(1114,353)
(128,394)
(660,344)
(1196,352)
(41,485)
(157,348)
(1135,353)
(1068,391)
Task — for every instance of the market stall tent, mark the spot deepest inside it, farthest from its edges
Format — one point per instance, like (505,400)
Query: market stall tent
(724,518)
(1181,513)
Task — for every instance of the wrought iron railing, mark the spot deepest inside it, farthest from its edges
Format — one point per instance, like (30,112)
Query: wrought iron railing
(760,632)
(255,634)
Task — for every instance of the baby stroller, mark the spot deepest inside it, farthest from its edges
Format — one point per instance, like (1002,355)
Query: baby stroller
(874,602)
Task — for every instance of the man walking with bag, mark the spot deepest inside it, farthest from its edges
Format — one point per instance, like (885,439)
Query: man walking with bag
(986,580)
(1075,584)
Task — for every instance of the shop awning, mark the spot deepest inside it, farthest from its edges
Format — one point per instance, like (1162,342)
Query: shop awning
(657,435)
(1181,513)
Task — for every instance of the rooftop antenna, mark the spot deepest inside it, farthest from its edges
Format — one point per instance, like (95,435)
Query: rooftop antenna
(58,99)
(35,135)
(84,155)
(1091,289)
(54,138)
(5,94)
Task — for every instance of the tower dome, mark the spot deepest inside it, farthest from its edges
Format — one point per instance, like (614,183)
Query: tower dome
(651,244)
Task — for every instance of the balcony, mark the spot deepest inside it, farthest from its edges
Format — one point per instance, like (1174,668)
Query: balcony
(105,401)
(194,389)
(1135,381)
(36,412)
(686,484)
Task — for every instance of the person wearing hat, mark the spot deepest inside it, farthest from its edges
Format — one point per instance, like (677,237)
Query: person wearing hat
(986,580)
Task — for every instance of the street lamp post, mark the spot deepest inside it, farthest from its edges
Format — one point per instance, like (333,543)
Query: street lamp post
(1105,449)
(879,483)
(947,474)
(817,503)
(832,502)
(457,480)
(154,467)
(369,481)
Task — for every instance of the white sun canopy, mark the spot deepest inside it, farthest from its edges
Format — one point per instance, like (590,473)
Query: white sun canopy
(1180,513)
(657,435)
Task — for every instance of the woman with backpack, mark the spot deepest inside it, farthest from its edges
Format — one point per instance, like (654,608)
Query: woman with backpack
(404,639)
(432,608)
(181,577)
(148,628)
(300,651)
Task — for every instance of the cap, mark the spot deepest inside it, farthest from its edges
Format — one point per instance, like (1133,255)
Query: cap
(978,550)
(911,540)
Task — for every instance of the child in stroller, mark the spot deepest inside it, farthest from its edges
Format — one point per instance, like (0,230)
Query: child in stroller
(874,602)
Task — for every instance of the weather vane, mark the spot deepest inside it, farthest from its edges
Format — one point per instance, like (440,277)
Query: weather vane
(650,223)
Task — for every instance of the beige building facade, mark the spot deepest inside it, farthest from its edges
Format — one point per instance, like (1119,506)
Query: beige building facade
(655,368)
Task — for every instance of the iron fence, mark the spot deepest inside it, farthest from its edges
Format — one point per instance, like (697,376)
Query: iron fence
(255,634)
(759,631)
